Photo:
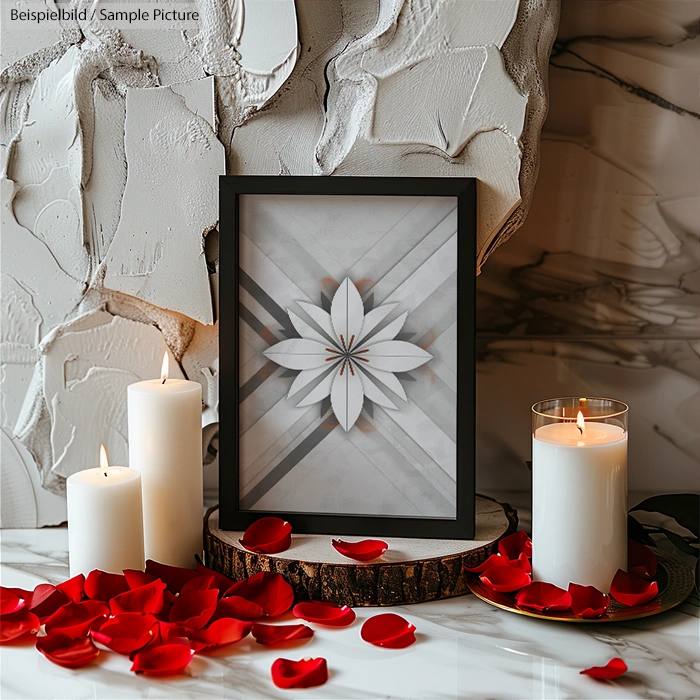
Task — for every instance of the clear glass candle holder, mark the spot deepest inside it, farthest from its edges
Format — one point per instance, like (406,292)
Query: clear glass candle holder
(579,491)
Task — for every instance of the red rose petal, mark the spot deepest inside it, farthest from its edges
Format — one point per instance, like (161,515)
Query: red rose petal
(613,669)
(45,600)
(388,630)
(193,609)
(543,596)
(136,578)
(237,607)
(164,660)
(174,577)
(75,619)
(641,561)
(73,588)
(67,651)
(100,585)
(269,635)
(200,583)
(126,632)
(505,578)
(168,633)
(631,590)
(220,582)
(328,614)
(516,544)
(364,550)
(268,536)
(10,601)
(147,599)
(268,590)
(588,601)
(18,624)
(492,560)
(220,633)
(306,673)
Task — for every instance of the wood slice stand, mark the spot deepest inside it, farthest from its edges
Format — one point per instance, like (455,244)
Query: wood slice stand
(411,571)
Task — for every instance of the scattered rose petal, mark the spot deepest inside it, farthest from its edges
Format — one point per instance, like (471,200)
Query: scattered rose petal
(269,635)
(75,619)
(125,632)
(364,550)
(45,600)
(641,561)
(136,578)
(73,588)
(240,608)
(220,582)
(268,536)
(18,624)
(147,599)
(588,601)
(512,546)
(388,630)
(193,609)
(164,660)
(541,595)
(631,590)
(328,614)
(67,651)
(613,669)
(10,601)
(100,585)
(505,578)
(168,633)
(220,633)
(199,583)
(174,577)
(522,562)
(306,673)
(269,590)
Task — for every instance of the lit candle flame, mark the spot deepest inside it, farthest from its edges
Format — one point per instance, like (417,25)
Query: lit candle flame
(104,462)
(580,423)
(164,368)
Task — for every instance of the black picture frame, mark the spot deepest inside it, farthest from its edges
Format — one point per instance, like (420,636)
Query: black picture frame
(231,515)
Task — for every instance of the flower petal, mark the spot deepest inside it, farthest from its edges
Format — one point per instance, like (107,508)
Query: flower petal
(373,392)
(631,590)
(221,583)
(389,332)
(347,314)
(497,559)
(67,651)
(164,660)
(306,376)
(199,583)
(136,578)
(321,317)
(269,590)
(168,633)
(588,601)
(193,609)
(322,613)
(125,632)
(220,633)
(541,596)
(388,630)
(237,607)
(347,396)
(269,635)
(641,561)
(10,601)
(268,536)
(75,619)
(306,673)
(505,579)
(18,624)
(45,600)
(613,669)
(73,588)
(298,353)
(147,599)
(174,577)
(396,356)
(373,318)
(323,388)
(307,331)
(387,379)
(364,550)
(100,585)
(512,546)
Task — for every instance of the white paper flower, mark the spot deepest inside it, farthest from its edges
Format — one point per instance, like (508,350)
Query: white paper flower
(353,357)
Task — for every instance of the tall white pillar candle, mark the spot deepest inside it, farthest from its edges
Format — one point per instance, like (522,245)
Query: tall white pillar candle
(579,495)
(165,446)
(105,527)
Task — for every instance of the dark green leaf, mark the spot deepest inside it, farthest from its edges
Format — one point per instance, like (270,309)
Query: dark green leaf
(684,508)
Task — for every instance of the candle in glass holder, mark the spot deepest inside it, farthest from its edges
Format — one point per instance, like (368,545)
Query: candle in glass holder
(579,491)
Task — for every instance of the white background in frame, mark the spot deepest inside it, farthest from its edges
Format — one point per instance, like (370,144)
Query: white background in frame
(394,249)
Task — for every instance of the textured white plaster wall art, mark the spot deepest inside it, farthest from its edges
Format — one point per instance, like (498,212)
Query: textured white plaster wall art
(112,140)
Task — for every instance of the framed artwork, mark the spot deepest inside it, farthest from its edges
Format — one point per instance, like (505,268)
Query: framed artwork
(346,332)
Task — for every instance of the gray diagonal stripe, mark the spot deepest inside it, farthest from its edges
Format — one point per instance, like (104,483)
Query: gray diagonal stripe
(267,302)
(265,372)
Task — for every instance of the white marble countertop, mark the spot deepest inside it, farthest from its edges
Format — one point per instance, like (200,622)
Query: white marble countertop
(465,649)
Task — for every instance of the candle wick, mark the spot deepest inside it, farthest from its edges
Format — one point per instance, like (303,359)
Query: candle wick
(105,473)
(164,378)
(580,429)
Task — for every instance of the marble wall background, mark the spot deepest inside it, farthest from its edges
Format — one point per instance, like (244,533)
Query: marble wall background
(599,291)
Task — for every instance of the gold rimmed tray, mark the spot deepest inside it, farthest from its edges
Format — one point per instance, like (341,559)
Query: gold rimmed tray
(675,580)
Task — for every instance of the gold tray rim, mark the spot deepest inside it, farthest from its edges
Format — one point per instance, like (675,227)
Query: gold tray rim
(677,572)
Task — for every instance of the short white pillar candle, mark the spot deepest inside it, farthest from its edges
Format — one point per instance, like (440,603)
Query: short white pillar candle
(105,525)
(579,491)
